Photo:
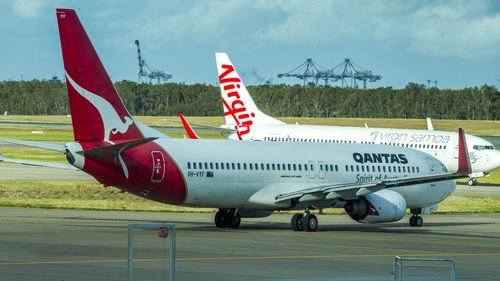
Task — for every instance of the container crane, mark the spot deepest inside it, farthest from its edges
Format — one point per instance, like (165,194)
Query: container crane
(146,72)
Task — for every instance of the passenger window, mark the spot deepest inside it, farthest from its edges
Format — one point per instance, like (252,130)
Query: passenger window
(290,167)
(404,169)
(378,168)
(233,166)
(346,168)
(321,167)
(217,166)
(244,166)
(305,167)
(336,168)
(194,165)
(357,168)
(312,167)
(267,167)
(189,165)
(362,168)
(294,167)
(283,167)
(278,167)
(274,167)
(418,169)
(383,168)
(238,165)
(211,166)
(389,168)
(399,169)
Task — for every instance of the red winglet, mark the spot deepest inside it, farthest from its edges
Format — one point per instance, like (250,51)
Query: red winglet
(187,127)
(463,154)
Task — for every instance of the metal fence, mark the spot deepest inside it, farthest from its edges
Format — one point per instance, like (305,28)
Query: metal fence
(424,269)
(164,231)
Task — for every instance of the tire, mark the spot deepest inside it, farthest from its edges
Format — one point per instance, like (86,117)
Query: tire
(220,219)
(310,223)
(412,221)
(297,222)
(419,221)
(234,221)
(471,182)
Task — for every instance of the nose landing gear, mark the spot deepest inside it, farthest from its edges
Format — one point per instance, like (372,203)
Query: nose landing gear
(227,218)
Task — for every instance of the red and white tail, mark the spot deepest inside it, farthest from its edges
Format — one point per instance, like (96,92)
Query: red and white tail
(240,110)
(97,111)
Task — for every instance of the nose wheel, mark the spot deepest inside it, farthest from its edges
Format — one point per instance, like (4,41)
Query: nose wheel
(307,222)
(227,218)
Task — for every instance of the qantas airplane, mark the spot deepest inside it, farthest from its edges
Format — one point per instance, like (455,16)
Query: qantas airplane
(244,121)
(373,183)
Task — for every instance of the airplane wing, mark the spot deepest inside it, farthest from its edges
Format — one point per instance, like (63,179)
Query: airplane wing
(41,145)
(356,189)
(187,127)
(36,163)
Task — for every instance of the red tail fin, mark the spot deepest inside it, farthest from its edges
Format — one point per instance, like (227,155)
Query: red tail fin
(187,127)
(97,111)
(463,154)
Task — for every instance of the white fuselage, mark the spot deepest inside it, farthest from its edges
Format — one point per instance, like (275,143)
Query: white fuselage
(233,178)
(440,144)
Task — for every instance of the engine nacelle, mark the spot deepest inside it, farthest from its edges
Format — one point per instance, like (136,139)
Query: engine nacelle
(381,206)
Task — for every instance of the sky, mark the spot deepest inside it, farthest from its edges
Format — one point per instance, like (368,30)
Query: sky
(453,42)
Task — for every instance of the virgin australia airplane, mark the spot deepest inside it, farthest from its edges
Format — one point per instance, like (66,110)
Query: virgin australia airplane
(244,121)
(373,183)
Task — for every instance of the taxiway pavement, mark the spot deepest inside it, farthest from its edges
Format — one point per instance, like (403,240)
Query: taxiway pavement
(39,244)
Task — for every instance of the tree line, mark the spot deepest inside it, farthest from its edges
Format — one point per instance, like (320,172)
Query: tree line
(414,101)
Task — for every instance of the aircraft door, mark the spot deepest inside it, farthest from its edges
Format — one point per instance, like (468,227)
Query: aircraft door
(322,170)
(158,168)
(431,164)
(312,169)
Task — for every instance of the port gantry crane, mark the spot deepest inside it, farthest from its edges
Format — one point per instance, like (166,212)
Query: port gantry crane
(347,72)
(146,72)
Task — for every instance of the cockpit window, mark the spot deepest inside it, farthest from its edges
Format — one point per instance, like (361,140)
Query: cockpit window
(483,147)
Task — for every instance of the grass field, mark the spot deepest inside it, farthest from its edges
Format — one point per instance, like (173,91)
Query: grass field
(475,127)
(92,196)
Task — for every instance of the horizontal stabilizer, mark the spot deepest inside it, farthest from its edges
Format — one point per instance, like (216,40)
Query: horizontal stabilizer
(41,145)
(115,149)
(39,164)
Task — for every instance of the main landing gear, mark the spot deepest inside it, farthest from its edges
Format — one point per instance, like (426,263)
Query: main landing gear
(227,218)
(304,222)
(472,182)
(415,219)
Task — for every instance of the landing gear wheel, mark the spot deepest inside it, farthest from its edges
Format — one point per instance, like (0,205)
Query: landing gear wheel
(310,223)
(471,182)
(233,220)
(220,218)
(297,222)
(417,221)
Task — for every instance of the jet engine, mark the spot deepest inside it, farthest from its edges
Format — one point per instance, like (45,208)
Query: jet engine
(381,206)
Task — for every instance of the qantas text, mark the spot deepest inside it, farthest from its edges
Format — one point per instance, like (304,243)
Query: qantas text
(380,158)
(234,106)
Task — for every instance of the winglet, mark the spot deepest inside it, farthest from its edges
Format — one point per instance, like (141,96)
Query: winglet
(430,127)
(187,127)
(463,154)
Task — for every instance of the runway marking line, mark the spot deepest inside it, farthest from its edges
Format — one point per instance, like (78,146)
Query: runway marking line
(252,258)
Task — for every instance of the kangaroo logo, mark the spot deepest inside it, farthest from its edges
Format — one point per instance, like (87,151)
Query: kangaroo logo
(113,124)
